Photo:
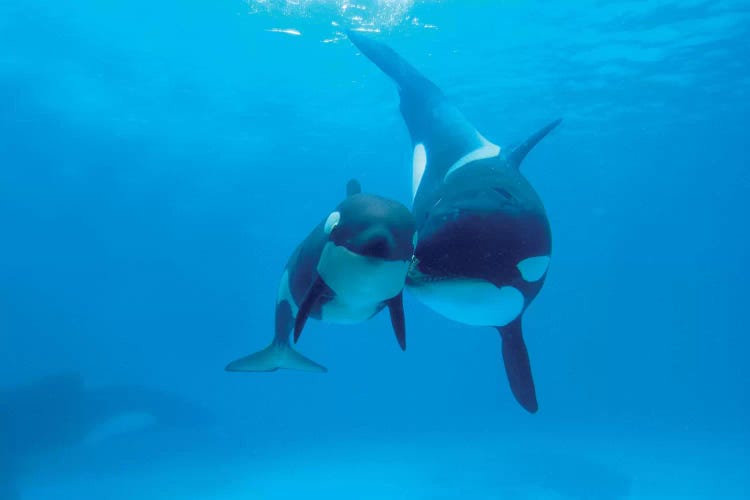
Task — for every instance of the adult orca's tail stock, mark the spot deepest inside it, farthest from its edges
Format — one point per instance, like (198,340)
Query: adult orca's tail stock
(406,76)
(439,132)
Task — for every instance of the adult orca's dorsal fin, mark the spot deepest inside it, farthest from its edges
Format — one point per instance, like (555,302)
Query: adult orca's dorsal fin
(442,137)
(353,187)
(517,154)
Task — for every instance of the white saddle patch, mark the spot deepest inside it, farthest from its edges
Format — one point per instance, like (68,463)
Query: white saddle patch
(419,164)
(533,268)
(360,283)
(470,301)
(486,150)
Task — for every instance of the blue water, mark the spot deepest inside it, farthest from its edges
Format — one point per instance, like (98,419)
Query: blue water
(159,162)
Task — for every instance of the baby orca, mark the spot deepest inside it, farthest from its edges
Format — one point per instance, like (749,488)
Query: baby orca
(350,267)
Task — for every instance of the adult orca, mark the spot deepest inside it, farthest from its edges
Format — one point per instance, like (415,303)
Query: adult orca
(484,240)
(352,265)
(58,412)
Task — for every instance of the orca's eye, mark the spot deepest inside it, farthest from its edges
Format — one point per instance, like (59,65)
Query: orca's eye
(332,221)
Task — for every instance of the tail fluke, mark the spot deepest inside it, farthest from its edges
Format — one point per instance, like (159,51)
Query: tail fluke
(274,357)
(440,134)
(406,76)
(517,366)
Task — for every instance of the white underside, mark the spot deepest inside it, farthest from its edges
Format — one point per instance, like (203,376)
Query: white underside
(472,302)
(340,312)
(360,283)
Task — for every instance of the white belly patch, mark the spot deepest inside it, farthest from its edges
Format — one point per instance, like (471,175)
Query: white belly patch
(340,312)
(472,302)
(360,283)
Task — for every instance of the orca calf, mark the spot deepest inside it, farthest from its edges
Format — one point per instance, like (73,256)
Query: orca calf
(350,267)
(484,241)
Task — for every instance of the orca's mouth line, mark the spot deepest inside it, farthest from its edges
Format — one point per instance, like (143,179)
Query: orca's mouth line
(416,277)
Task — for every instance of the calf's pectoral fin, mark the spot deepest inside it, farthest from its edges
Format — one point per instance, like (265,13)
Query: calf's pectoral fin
(396,308)
(517,365)
(313,295)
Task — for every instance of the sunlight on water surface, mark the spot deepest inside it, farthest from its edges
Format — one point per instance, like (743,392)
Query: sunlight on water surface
(366,15)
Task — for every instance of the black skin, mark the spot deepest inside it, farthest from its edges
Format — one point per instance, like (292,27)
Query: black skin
(478,221)
(486,219)
(369,225)
(479,224)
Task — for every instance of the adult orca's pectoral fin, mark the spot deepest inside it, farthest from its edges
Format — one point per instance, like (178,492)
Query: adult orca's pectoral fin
(517,366)
(442,137)
(312,297)
(396,308)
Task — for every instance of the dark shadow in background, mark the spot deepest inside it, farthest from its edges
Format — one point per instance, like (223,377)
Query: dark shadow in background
(58,412)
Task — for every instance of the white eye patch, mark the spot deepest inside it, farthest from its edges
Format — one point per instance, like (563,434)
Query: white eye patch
(533,268)
(331,222)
